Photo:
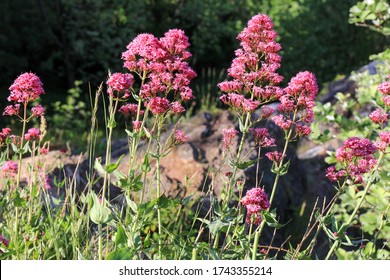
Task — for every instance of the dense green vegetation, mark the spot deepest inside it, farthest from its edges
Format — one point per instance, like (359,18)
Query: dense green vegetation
(68,40)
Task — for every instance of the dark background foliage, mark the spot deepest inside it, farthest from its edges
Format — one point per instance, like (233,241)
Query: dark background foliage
(67,40)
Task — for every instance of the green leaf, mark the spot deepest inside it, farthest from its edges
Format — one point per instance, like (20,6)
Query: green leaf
(207,222)
(147,241)
(113,166)
(129,133)
(147,133)
(98,167)
(120,236)
(145,167)
(120,254)
(283,170)
(213,254)
(217,225)
(23,150)
(270,219)
(186,200)
(132,205)
(165,202)
(18,201)
(241,125)
(244,165)
(216,207)
(111,124)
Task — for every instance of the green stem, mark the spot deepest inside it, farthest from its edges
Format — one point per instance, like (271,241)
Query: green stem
(16,226)
(31,184)
(255,245)
(352,216)
(238,157)
(234,173)
(288,137)
(194,254)
(21,144)
(100,242)
(158,186)
(134,143)
(108,148)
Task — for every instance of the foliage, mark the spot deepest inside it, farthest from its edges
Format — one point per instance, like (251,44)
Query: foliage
(71,129)
(374,14)
(349,116)
(73,40)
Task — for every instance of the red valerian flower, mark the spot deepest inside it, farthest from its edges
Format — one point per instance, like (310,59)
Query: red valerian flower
(356,157)
(180,137)
(177,108)
(255,201)
(119,85)
(11,110)
(159,105)
(130,110)
(378,116)
(228,135)
(262,137)
(38,111)
(10,168)
(253,69)
(384,88)
(27,87)
(5,132)
(32,134)
(274,156)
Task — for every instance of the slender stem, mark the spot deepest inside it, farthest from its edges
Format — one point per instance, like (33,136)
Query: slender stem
(100,242)
(158,185)
(22,143)
(234,173)
(108,148)
(194,253)
(31,184)
(16,226)
(352,216)
(288,137)
(255,245)
(238,157)
(134,143)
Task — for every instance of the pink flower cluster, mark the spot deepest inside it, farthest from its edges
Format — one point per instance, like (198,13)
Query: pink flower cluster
(384,88)
(26,88)
(254,68)
(262,137)
(255,201)
(130,109)
(10,168)
(119,85)
(274,156)
(158,105)
(38,111)
(33,134)
(161,65)
(384,141)
(227,137)
(298,100)
(378,116)
(5,132)
(357,158)
(180,137)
